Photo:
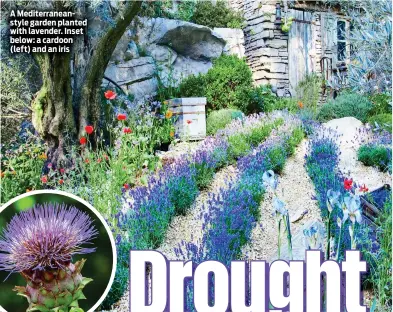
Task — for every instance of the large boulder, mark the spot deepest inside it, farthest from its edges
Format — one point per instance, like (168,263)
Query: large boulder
(135,70)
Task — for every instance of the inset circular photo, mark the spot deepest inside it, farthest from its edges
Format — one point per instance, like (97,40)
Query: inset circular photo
(56,254)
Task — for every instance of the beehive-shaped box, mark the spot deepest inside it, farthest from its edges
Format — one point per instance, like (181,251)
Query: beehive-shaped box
(190,117)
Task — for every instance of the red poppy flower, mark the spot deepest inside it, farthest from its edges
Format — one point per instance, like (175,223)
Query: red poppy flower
(44,179)
(61,181)
(50,165)
(106,157)
(348,184)
(99,160)
(87,160)
(127,130)
(126,186)
(82,140)
(121,117)
(89,129)
(110,95)
(62,170)
(363,188)
(189,121)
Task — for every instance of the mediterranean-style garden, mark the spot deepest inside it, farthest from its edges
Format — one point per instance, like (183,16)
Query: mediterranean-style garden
(275,174)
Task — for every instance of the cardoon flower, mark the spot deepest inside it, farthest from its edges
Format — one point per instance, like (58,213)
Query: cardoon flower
(39,244)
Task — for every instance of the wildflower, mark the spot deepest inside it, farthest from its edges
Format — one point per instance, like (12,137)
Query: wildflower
(87,160)
(89,129)
(106,157)
(352,209)
(269,180)
(348,184)
(42,156)
(28,190)
(300,104)
(110,95)
(61,181)
(172,134)
(333,198)
(49,166)
(2,174)
(40,244)
(189,121)
(363,188)
(44,179)
(99,160)
(168,114)
(126,186)
(121,117)
(62,170)
(82,140)
(127,130)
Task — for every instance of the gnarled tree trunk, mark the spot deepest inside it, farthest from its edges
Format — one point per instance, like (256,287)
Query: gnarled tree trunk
(65,104)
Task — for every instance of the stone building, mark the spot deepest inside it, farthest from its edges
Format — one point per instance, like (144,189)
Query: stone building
(315,41)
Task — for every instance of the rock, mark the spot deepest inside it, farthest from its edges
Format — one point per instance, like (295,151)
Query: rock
(234,40)
(162,54)
(122,46)
(277,43)
(135,70)
(298,215)
(131,52)
(143,89)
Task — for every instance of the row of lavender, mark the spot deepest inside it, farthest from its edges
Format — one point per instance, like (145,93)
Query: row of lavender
(338,196)
(234,210)
(150,208)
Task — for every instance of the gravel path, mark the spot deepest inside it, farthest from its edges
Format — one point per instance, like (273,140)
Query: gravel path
(295,189)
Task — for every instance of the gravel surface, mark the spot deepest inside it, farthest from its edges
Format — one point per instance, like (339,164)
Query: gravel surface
(295,189)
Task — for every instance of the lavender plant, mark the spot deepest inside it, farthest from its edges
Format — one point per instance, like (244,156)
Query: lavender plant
(39,244)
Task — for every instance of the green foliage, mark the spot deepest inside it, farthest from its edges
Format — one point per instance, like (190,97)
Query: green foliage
(261,99)
(307,91)
(259,134)
(381,121)
(289,103)
(345,105)
(294,140)
(204,174)
(21,167)
(377,156)
(219,119)
(238,145)
(382,103)
(277,157)
(216,15)
(380,261)
(183,190)
(226,85)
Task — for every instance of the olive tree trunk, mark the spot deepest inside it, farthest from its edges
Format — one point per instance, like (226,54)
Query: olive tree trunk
(66,103)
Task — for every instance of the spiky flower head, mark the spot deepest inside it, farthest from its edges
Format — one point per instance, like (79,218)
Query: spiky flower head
(45,237)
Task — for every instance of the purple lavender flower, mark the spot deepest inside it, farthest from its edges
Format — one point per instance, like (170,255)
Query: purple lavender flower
(44,237)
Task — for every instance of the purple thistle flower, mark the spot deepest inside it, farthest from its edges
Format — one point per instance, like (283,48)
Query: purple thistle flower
(45,237)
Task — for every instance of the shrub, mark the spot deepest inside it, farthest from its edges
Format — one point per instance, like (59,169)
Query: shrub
(289,103)
(307,91)
(277,157)
(226,85)
(346,105)
(294,140)
(377,156)
(219,119)
(381,121)
(216,15)
(259,134)
(382,103)
(182,187)
(238,145)
(261,99)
